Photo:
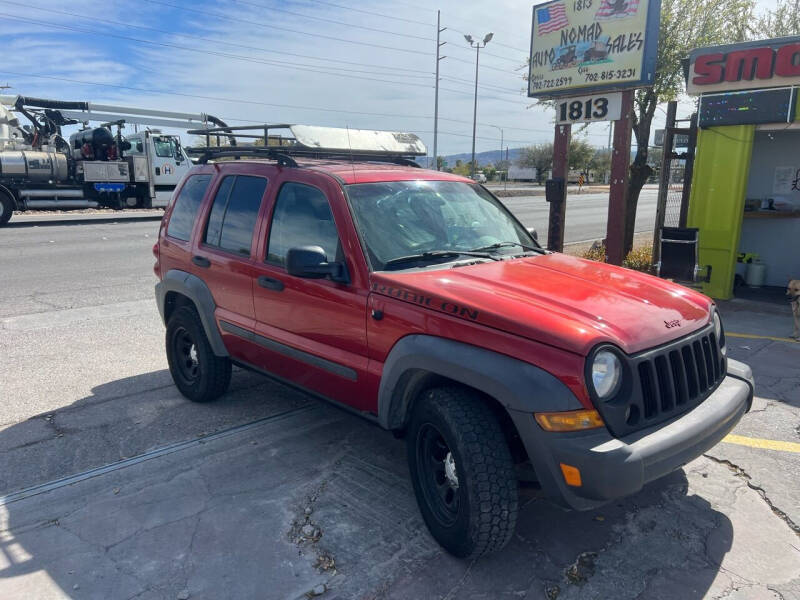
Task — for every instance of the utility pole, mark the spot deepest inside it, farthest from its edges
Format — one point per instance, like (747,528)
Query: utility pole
(477,45)
(500,159)
(439,30)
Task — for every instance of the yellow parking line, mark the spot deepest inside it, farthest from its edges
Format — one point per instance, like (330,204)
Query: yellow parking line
(760,337)
(762,443)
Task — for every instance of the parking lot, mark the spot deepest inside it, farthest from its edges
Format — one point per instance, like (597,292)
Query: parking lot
(115,486)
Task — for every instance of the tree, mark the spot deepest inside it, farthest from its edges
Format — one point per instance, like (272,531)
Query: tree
(441,163)
(539,157)
(580,154)
(685,24)
(783,21)
(601,164)
(462,168)
(490,172)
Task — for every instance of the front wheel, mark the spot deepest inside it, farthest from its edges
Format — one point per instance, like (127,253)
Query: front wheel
(462,472)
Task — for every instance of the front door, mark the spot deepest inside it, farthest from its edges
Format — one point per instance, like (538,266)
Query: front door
(313,331)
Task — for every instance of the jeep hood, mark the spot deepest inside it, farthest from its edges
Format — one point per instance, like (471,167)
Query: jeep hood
(555,299)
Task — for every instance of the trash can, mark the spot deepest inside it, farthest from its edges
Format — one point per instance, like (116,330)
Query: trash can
(756,273)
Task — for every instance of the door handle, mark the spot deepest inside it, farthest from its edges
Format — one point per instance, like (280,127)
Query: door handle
(201,261)
(270,283)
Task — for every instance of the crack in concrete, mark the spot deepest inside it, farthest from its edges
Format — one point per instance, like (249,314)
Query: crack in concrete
(324,560)
(461,581)
(741,473)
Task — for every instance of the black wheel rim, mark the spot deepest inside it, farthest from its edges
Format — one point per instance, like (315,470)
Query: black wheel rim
(437,474)
(184,350)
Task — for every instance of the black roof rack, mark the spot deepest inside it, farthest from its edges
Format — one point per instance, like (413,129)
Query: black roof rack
(285,155)
(314,142)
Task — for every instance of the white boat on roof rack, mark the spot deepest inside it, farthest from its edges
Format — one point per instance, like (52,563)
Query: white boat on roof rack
(312,141)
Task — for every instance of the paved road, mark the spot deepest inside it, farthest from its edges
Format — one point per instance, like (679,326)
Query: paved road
(587,214)
(209,501)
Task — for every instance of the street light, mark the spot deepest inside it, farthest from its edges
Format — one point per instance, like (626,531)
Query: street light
(477,45)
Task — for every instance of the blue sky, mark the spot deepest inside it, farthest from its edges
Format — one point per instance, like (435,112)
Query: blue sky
(327,62)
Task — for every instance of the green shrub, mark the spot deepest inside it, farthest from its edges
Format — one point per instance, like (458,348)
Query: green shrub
(596,252)
(638,259)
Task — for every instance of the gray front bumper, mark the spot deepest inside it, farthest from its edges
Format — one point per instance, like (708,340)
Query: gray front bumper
(615,467)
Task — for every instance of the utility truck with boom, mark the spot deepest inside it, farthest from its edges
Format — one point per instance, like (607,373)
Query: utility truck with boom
(95,166)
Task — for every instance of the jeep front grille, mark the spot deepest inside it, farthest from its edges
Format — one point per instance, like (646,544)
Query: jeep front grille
(666,381)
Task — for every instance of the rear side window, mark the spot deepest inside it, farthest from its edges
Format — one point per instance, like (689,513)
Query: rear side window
(234,213)
(186,205)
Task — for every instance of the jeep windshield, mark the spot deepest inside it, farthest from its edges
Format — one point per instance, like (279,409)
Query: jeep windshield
(407,224)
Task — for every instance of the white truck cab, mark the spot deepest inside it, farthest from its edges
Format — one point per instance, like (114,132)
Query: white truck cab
(159,163)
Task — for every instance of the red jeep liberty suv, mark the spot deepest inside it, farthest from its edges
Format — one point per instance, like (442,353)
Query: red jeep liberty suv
(414,297)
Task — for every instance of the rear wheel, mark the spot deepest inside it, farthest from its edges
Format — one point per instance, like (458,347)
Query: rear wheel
(6,208)
(462,472)
(198,373)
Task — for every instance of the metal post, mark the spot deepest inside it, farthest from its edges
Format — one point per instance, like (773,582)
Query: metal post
(508,166)
(475,109)
(439,30)
(618,195)
(689,171)
(558,205)
(501,147)
(663,184)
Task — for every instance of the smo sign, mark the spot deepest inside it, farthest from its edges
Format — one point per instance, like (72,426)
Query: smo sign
(747,66)
(585,46)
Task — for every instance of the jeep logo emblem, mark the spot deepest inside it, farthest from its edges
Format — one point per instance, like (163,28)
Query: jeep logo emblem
(671,324)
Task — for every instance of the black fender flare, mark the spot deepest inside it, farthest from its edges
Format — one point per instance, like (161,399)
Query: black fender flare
(517,385)
(197,291)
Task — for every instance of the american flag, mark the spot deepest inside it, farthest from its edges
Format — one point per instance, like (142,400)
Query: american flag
(552,18)
(617,9)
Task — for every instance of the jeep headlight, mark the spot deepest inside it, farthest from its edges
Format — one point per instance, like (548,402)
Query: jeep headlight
(606,374)
(719,332)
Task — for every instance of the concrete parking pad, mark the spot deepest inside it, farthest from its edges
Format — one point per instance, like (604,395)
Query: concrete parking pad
(317,497)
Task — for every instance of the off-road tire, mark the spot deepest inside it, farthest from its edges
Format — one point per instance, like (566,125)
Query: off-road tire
(6,208)
(486,512)
(205,377)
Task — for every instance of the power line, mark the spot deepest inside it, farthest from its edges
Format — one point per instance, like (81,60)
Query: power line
(247,102)
(385,16)
(247,47)
(216,41)
(271,62)
(206,14)
(334,21)
(279,64)
(369,12)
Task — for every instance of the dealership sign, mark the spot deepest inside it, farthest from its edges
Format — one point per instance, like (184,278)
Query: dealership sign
(751,65)
(584,46)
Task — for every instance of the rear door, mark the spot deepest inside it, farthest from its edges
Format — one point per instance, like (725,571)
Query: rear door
(225,245)
(313,331)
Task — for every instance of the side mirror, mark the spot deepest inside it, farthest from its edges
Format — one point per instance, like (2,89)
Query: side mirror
(310,262)
(533,232)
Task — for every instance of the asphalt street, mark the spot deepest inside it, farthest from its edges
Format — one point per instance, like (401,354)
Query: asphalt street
(117,487)
(587,214)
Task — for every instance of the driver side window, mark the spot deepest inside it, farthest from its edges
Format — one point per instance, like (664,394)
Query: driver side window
(302,217)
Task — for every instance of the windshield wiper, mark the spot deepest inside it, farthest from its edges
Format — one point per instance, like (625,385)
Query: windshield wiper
(499,245)
(437,254)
